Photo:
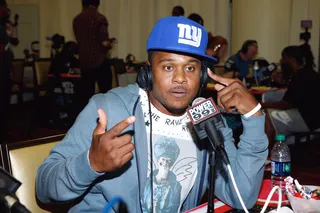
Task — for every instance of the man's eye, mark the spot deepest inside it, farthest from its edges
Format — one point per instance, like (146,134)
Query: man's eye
(168,68)
(190,69)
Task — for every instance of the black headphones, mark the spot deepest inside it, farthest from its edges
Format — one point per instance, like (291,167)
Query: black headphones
(145,77)
(246,44)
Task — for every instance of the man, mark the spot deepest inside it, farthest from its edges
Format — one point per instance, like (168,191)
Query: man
(91,32)
(96,162)
(239,65)
(177,11)
(298,111)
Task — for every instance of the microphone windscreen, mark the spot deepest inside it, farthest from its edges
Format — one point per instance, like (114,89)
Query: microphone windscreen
(197,100)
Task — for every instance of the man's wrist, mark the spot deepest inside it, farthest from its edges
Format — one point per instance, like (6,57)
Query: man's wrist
(256,111)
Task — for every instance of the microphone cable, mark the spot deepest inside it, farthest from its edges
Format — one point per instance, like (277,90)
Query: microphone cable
(268,198)
(151,151)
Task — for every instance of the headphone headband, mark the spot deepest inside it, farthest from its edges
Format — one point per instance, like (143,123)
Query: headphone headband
(247,44)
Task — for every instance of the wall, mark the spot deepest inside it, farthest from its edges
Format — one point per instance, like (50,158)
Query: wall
(23,1)
(28,27)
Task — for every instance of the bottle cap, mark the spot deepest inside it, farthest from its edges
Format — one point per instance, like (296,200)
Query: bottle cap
(280,137)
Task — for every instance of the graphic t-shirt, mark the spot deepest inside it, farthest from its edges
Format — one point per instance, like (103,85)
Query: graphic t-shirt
(174,159)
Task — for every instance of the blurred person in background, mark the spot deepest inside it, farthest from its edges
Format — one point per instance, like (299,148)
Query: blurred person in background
(217,47)
(239,65)
(298,111)
(91,32)
(197,18)
(177,11)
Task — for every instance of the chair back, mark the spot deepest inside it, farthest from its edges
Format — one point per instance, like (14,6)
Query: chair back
(42,67)
(114,77)
(22,160)
(17,72)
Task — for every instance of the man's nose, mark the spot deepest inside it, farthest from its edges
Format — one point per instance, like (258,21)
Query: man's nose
(179,76)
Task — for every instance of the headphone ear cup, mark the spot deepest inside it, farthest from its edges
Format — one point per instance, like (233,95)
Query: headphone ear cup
(244,48)
(144,78)
(203,75)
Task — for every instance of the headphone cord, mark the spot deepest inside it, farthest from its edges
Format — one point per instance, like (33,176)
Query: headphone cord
(151,151)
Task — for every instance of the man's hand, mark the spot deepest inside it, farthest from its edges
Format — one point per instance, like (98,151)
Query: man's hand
(109,151)
(233,95)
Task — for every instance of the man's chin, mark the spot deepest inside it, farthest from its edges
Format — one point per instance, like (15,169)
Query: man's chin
(177,110)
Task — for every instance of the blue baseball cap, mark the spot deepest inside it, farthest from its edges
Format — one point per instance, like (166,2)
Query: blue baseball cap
(179,34)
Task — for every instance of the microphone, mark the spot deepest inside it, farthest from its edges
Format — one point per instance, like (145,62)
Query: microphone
(207,120)
(8,186)
(272,67)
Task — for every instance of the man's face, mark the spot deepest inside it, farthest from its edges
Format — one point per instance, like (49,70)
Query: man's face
(165,163)
(176,81)
(252,52)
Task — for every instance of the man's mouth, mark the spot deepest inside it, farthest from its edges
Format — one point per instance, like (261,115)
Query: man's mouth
(178,92)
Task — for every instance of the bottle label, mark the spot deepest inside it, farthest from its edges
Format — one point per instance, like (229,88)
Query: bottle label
(280,168)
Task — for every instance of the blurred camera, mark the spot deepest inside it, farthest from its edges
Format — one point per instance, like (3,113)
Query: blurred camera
(305,36)
(306,24)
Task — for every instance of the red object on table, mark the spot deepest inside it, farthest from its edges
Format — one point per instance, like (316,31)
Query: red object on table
(264,192)
(65,75)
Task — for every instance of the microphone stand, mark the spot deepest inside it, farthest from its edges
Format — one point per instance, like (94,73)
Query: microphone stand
(217,147)
(212,174)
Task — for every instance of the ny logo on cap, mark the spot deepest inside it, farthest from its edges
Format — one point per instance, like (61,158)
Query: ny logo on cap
(189,35)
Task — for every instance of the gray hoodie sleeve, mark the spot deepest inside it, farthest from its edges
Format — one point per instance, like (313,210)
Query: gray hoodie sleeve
(247,163)
(66,173)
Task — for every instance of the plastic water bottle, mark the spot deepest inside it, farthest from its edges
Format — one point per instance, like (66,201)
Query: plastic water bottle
(280,162)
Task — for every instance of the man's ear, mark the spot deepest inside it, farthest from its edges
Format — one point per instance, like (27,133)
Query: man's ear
(148,63)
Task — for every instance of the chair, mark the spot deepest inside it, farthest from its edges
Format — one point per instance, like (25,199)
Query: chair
(115,82)
(17,79)
(41,68)
(22,160)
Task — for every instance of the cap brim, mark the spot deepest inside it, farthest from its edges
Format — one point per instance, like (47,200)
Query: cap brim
(209,58)
(177,50)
